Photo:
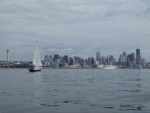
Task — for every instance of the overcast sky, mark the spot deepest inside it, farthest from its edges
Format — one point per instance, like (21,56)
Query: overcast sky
(74,27)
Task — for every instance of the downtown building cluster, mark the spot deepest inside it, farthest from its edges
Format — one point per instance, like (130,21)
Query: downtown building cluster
(132,60)
(125,60)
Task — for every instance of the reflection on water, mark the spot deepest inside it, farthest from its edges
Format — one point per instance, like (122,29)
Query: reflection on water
(74,90)
(37,82)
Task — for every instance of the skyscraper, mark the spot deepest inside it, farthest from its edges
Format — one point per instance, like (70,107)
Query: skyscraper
(137,52)
(46,58)
(131,57)
(138,57)
(56,56)
(97,56)
(65,58)
(109,59)
(70,61)
(123,59)
(50,57)
(90,61)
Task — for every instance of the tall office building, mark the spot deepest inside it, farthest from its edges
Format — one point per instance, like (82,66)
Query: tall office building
(123,59)
(65,59)
(137,52)
(143,62)
(60,60)
(131,59)
(50,57)
(81,61)
(138,57)
(46,58)
(97,56)
(109,59)
(56,56)
(90,61)
(70,61)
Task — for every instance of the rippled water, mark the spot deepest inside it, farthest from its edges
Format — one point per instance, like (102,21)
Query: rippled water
(75,91)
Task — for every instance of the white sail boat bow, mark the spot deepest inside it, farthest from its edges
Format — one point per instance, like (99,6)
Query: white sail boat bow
(37,65)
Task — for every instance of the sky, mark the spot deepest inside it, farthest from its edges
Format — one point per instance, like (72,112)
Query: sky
(74,27)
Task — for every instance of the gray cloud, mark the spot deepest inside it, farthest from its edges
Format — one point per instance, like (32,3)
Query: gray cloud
(84,26)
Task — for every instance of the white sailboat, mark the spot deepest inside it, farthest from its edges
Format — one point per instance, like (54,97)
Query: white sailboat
(37,65)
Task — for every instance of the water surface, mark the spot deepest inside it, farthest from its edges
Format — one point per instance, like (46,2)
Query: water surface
(75,91)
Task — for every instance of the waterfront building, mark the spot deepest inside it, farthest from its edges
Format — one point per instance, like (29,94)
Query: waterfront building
(123,59)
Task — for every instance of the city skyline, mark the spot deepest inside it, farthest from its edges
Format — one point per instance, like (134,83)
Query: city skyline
(95,56)
(132,60)
(76,28)
(125,60)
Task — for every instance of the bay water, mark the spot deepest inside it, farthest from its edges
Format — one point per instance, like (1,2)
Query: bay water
(75,91)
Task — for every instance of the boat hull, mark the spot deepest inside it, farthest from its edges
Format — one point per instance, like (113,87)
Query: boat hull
(106,67)
(109,67)
(100,66)
(34,69)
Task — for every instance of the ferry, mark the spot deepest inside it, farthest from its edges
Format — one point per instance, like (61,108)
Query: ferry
(109,67)
(106,66)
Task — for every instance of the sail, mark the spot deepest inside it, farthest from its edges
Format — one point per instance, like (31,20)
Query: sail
(37,59)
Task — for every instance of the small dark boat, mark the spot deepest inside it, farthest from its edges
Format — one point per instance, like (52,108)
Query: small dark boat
(34,69)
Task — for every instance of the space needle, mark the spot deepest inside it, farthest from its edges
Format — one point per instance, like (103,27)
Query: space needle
(7,55)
